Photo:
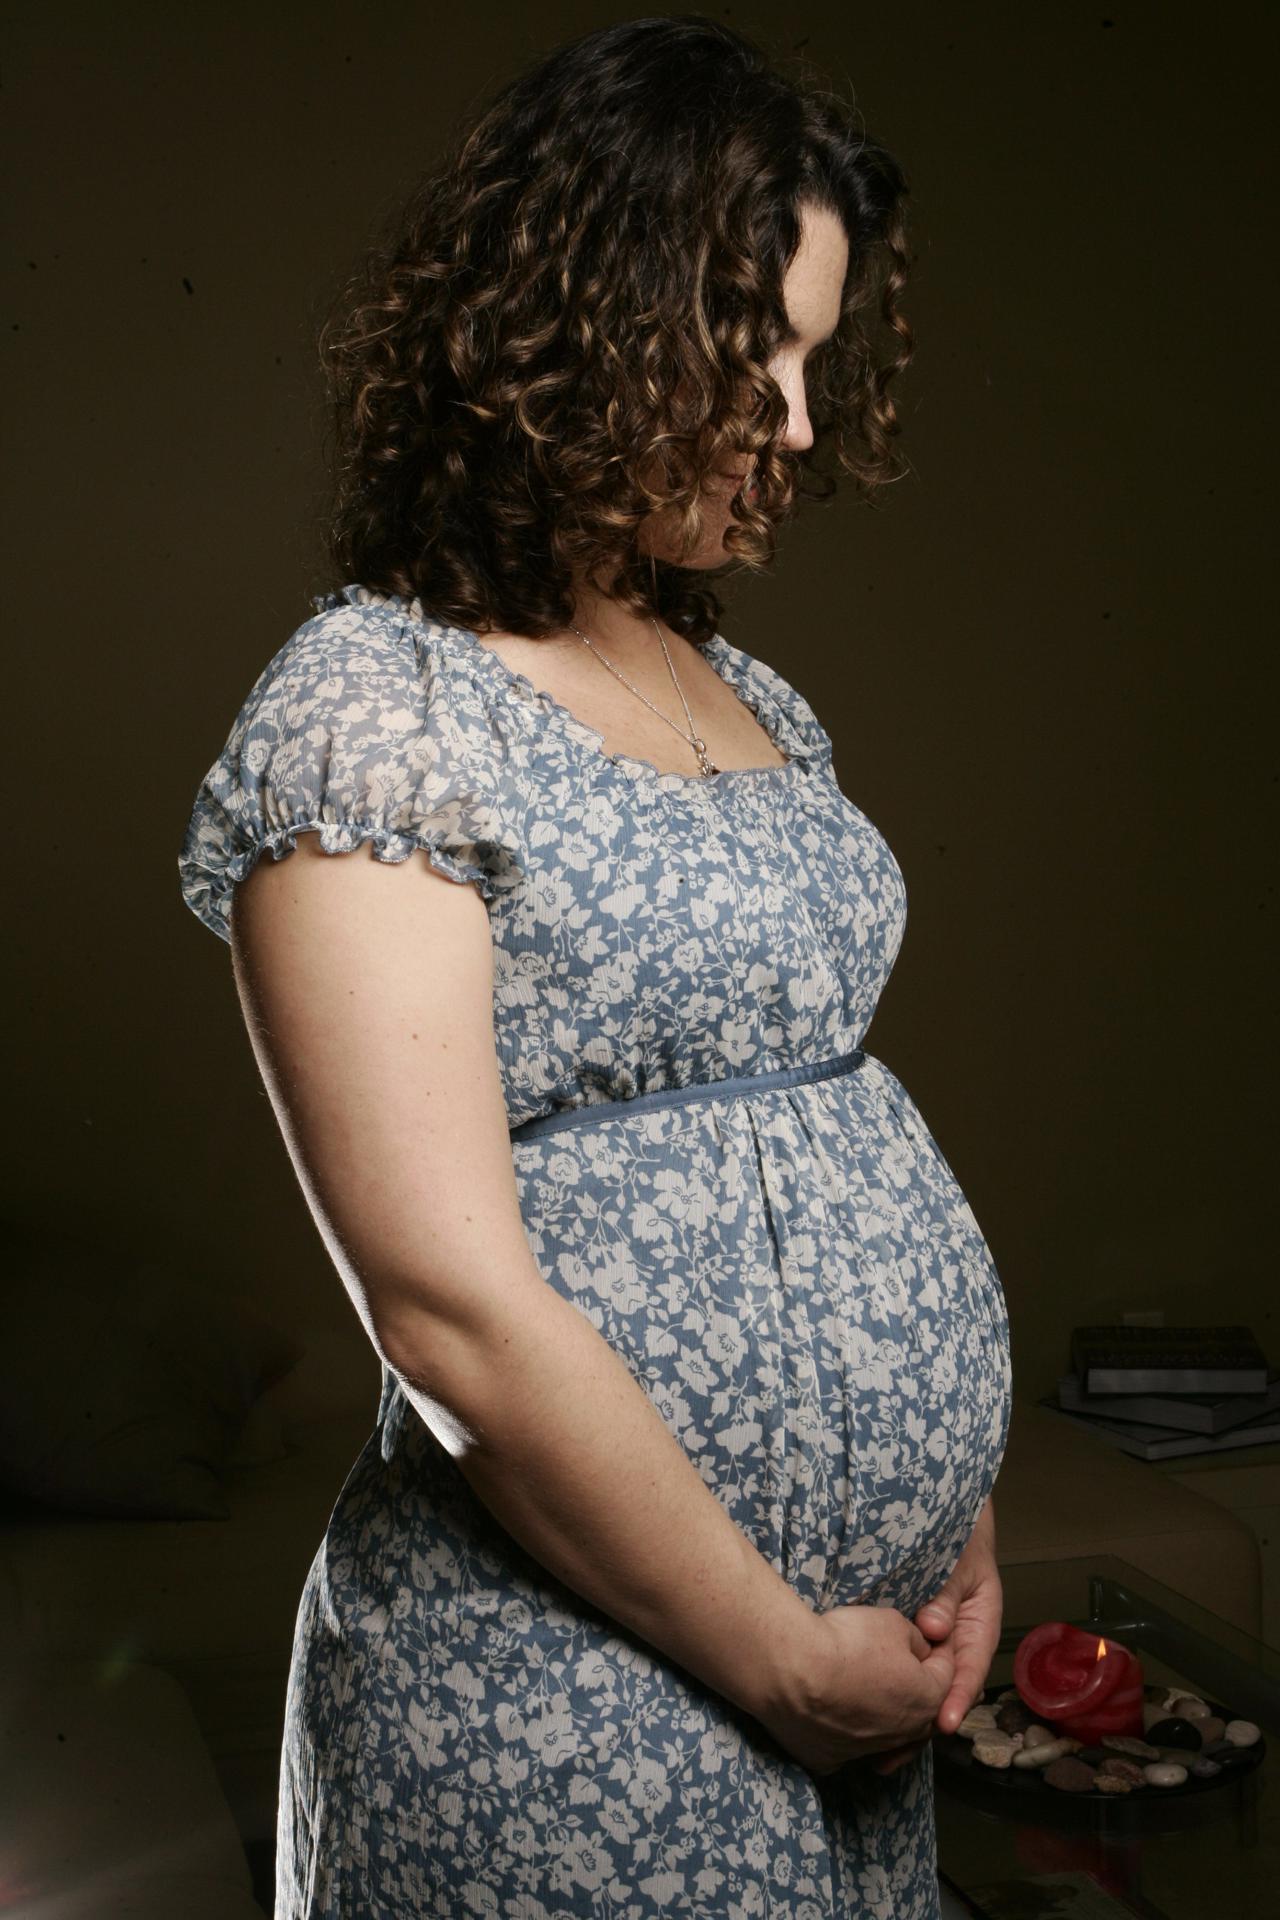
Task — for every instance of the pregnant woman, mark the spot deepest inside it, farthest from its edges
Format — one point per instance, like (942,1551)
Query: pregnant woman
(673,1541)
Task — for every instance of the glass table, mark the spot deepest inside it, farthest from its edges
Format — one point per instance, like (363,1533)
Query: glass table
(1211,1856)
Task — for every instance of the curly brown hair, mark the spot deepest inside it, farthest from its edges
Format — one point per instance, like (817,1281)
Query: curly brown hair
(567,327)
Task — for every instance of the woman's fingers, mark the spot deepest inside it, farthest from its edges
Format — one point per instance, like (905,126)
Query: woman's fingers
(937,1619)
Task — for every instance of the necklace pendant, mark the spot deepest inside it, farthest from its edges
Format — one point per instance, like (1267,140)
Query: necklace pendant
(706,765)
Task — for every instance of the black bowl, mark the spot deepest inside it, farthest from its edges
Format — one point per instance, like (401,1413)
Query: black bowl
(1021,1793)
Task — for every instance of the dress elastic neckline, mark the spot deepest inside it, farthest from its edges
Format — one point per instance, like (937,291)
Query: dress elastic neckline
(726,659)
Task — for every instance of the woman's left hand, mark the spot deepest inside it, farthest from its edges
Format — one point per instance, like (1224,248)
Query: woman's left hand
(968,1611)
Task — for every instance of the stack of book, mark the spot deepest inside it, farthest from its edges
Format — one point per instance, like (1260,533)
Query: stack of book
(1162,1391)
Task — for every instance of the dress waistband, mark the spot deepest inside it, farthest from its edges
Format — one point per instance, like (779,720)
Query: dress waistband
(594,1110)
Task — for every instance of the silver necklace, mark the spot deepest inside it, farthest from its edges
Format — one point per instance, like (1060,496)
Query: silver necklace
(706,765)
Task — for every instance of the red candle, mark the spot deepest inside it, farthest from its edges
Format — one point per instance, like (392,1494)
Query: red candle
(1084,1684)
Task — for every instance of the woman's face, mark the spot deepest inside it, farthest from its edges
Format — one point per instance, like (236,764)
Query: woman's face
(812,293)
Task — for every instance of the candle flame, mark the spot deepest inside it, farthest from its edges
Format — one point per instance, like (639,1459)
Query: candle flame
(1102,1648)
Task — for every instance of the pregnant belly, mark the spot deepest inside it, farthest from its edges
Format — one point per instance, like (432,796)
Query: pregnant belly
(800,1287)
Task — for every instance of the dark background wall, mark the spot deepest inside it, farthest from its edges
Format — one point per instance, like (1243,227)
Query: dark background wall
(1043,662)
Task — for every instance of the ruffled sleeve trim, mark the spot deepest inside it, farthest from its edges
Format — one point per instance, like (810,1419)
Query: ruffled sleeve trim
(208,887)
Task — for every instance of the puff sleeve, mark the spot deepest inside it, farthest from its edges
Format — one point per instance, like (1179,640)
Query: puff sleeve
(362,728)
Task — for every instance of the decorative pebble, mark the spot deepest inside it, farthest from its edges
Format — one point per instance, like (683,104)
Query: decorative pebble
(1205,1769)
(1230,1759)
(1112,1783)
(1092,1756)
(1211,1729)
(1172,1695)
(1121,1743)
(1175,1733)
(1014,1717)
(977,1720)
(1189,1707)
(1069,1775)
(1038,1736)
(1242,1733)
(1121,1769)
(1006,1694)
(991,1753)
(1163,1773)
(1040,1756)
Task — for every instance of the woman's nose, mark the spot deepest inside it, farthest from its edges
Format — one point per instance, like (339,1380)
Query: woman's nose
(799,434)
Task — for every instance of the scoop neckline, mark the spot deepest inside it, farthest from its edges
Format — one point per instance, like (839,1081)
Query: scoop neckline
(720,652)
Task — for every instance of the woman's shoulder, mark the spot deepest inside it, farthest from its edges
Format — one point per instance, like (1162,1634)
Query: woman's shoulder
(364,658)
(762,681)
(351,623)
(359,727)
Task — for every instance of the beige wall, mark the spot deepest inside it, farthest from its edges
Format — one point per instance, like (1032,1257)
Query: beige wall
(1042,663)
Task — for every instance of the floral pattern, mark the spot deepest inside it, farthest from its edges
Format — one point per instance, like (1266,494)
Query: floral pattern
(792,1275)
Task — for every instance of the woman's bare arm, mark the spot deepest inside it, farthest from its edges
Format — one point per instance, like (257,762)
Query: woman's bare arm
(367,991)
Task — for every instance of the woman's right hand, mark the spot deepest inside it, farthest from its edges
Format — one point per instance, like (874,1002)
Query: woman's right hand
(866,1682)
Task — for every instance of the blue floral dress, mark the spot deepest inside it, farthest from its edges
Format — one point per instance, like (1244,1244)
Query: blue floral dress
(792,1275)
